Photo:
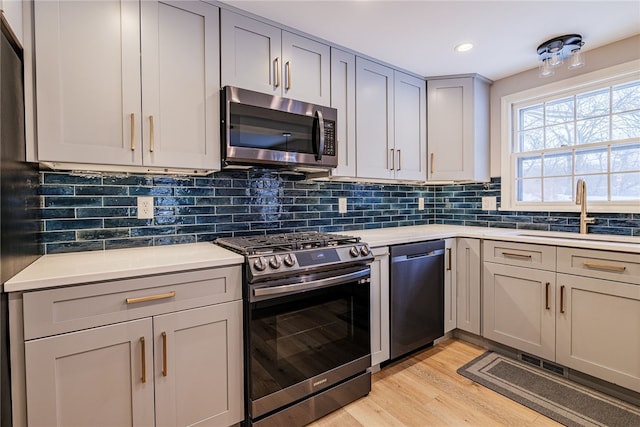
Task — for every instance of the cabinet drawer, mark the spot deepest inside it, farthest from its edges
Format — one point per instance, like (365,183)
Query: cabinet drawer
(60,310)
(520,254)
(618,266)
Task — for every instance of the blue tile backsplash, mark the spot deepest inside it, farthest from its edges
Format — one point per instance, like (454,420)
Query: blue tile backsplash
(83,212)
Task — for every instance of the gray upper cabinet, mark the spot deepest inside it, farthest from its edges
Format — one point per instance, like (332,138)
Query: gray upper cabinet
(390,123)
(264,58)
(343,98)
(458,129)
(127,83)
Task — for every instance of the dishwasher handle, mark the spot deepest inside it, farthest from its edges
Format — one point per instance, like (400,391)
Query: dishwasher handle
(430,254)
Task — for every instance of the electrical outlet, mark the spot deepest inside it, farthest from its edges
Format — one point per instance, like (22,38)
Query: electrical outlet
(421,203)
(145,207)
(489,203)
(342,205)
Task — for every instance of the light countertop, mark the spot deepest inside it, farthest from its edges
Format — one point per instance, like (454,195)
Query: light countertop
(86,267)
(96,266)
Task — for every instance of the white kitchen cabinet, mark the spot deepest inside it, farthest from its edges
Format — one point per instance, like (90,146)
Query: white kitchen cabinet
(458,129)
(468,273)
(343,98)
(390,123)
(264,58)
(127,83)
(598,319)
(380,350)
(127,352)
(450,292)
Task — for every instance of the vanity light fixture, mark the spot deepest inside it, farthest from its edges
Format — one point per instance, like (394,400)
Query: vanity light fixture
(553,52)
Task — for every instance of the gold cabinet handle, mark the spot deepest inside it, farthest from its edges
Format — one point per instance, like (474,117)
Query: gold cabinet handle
(562,299)
(276,63)
(393,158)
(546,296)
(433,159)
(399,159)
(512,255)
(144,361)
(133,131)
(449,259)
(151,136)
(164,354)
(604,266)
(151,298)
(288,71)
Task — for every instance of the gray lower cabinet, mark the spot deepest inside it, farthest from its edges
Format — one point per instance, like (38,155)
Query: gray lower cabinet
(450,298)
(468,266)
(380,350)
(175,360)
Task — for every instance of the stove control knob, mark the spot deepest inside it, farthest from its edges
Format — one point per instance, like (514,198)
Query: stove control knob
(260,264)
(354,251)
(275,262)
(289,260)
(364,250)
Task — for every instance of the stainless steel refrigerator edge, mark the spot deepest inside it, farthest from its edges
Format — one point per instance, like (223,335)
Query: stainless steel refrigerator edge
(19,201)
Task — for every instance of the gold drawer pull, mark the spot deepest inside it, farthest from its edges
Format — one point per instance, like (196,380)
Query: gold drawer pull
(151,298)
(164,354)
(511,254)
(562,299)
(604,266)
(144,361)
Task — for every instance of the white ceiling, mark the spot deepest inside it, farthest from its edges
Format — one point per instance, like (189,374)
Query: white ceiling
(419,35)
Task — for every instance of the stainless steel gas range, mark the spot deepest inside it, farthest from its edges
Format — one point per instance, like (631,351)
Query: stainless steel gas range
(307,320)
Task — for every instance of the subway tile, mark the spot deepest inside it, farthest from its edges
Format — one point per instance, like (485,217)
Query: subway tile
(67,178)
(128,243)
(71,224)
(64,201)
(101,212)
(60,248)
(102,234)
(53,213)
(177,240)
(100,190)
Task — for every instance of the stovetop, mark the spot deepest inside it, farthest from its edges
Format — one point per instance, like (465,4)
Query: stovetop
(284,242)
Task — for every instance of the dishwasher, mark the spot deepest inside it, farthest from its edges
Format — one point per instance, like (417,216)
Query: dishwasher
(416,295)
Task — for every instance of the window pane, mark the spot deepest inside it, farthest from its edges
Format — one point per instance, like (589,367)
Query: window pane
(597,187)
(626,125)
(625,158)
(557,164)
(532,117)
(529,167)
(591,161)
(558,189)
(592,104)
(626,97)
(529,190)
(625,186)
(532,140)
(593,130)
(559,135)
(559,111)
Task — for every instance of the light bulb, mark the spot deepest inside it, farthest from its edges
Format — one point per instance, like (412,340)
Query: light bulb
(545,69)
(556,58)
(576,60)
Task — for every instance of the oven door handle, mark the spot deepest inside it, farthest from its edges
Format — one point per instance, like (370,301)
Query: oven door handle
(315,284)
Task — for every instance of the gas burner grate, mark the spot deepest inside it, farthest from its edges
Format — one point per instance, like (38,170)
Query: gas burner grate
(284,242)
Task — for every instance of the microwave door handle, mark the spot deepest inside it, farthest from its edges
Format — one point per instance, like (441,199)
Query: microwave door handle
(320,136)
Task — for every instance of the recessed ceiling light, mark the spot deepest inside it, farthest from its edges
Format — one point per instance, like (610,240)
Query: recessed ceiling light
(463,47)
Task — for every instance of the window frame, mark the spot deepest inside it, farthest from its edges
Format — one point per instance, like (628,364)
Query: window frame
(556,90)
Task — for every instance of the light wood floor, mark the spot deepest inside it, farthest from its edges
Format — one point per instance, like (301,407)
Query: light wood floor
(425,390)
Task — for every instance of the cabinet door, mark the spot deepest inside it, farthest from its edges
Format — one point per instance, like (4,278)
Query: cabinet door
(92,377)
(410,127)
(343,98)
(519,308)
(88,81)
(450,126)
(468,285)
(198,366)
(374,120)
(598,329)
(306,69)
(450,297)
(250,54)
(380,306)
(180,84)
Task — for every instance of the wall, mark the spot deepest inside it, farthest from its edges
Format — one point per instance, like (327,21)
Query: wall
(94,212)
(596,59)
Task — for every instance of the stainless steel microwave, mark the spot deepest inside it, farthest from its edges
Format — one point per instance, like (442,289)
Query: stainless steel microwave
(260,129)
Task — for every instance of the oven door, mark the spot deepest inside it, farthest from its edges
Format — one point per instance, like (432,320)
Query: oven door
(306,336)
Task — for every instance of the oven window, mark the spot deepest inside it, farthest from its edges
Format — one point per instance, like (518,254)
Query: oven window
(262,128)
(300,336)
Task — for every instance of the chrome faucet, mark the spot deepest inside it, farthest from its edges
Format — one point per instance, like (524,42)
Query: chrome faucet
(581,199)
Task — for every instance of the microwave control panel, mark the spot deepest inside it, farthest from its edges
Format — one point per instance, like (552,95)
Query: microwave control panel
(329,138)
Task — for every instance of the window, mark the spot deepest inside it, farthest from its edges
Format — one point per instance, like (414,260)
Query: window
(587,127)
